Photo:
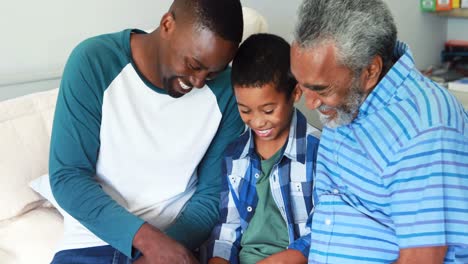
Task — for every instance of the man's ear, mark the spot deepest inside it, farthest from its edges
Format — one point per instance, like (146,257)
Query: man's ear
(296,93)
(371,75)
(167,25)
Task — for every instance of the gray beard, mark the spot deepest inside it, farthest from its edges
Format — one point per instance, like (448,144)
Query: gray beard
(345,113)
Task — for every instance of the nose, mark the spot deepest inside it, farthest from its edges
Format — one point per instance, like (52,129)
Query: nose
(315,103)
(198,79)
(312,99)
(258,122)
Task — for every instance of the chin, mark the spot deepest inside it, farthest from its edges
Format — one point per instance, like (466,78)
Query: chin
(268,138)
(336,121)
(168,84)
(175,94)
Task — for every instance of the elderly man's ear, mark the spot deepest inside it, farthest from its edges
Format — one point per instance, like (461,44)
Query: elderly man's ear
(296,94)
(371,75)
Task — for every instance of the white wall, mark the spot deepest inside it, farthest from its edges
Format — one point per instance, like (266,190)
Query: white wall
(37,36)
(425,33)
(458,28)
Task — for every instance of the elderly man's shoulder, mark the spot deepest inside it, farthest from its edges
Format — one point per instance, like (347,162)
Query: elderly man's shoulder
(423,104)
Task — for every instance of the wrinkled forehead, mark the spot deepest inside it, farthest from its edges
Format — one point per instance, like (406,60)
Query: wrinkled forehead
(316,59)
(318,64)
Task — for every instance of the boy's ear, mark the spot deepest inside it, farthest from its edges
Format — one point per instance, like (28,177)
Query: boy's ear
(296,93)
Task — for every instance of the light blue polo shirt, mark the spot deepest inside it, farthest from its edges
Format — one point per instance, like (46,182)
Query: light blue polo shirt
(396,177)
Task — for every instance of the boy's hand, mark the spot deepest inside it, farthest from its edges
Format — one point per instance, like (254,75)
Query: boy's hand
(217,260)
(158,248)
(289,256)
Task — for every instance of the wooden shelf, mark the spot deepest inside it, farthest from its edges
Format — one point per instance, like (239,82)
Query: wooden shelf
(459,12)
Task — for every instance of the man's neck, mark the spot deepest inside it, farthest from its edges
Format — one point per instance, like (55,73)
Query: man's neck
(144,50)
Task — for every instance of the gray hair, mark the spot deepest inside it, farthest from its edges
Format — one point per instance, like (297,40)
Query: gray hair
(359,29)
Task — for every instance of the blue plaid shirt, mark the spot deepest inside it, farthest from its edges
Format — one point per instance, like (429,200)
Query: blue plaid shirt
(291,182)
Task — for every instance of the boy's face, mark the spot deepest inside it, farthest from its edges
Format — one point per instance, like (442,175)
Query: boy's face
(266,111)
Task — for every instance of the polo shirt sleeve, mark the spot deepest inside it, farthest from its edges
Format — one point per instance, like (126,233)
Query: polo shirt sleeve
(427,181)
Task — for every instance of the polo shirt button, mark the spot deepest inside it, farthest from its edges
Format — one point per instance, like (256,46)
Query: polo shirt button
(257,175)
(335,191)
(327,221)
(249,209)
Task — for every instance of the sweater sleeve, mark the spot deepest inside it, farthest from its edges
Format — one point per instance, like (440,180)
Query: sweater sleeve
(201,213)
(74,151)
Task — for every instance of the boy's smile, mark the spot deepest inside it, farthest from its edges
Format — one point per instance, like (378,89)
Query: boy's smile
(263,133)
(267,112)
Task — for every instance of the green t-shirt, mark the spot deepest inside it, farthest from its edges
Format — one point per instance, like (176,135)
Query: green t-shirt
(267,232)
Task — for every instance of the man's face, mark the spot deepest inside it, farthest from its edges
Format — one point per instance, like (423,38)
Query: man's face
(191,56)
(330,88)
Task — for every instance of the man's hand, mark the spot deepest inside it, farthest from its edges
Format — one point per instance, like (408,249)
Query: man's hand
(287,256)
(157,248)
(217,260)
(426,255)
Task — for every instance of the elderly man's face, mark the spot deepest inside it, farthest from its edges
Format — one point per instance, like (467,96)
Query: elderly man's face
(330,88)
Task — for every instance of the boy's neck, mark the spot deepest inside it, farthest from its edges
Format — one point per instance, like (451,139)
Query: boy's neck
(267,148)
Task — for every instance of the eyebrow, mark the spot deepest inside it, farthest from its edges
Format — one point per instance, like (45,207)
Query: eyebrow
(203,67)
(316,87)
(263,105)
(200,64)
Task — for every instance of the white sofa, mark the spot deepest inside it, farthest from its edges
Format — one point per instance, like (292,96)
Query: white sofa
(30,226)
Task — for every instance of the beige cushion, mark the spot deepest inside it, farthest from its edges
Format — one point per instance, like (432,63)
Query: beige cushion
(6,257)
(25,127)
(30,238)
(41,185)
(254,22)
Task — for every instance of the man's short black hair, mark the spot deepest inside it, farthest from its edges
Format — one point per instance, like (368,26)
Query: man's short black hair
(222,17)
(263,59)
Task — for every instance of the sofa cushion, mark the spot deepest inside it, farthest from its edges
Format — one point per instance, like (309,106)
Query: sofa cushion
(7,257)
(254,22)
(41,185)
(25,127)
(30,238)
